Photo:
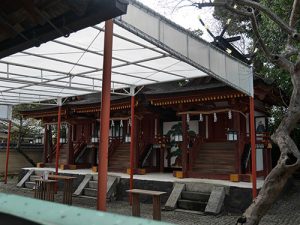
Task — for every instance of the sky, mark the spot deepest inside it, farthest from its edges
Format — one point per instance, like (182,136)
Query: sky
(186,17)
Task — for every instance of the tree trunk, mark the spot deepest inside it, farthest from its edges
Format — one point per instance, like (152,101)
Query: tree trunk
(288,162)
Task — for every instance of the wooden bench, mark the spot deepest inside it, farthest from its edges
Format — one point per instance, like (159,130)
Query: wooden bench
(136,202)
(67,189)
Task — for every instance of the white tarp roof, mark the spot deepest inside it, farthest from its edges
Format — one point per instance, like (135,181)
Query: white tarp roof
(147,49)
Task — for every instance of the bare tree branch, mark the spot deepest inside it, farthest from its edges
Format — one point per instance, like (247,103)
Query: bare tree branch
(258,36)
(295,14)
(283,63)
(289,52)
(272,16)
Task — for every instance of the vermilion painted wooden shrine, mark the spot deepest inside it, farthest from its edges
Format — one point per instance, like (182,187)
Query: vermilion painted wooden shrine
(199,127)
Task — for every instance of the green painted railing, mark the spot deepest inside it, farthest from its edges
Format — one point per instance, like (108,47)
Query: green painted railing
(49,213)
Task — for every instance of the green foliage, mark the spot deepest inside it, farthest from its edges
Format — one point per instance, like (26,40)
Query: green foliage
(274,38)
(176,129)
(30,129)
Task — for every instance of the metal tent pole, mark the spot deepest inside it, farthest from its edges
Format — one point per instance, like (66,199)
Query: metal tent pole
(253,147)
(104,117)
(7,151)
(59,103)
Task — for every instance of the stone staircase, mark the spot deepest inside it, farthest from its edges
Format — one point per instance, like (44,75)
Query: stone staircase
(28,181)
(215,158)
(120,160)
(196,198)
(193,201)
(89,188)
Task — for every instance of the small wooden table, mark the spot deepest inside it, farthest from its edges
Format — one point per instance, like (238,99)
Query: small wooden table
(67,189)
(136,202)
(45,189)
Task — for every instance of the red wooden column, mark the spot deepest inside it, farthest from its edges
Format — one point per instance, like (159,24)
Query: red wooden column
(104,116)
(132,140)
(253,147)
(59,102)
(7,151)
(184,145)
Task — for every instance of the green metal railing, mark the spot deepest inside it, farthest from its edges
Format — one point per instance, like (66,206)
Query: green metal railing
(49,213)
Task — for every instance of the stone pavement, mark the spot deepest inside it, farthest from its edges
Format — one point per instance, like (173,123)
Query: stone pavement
(285,212)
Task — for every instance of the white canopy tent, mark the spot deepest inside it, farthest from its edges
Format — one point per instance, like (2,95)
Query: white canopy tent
(147,49)
(144,52)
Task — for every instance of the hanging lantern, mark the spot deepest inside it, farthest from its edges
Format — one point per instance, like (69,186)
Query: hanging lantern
(188,118)
(112,123)
(200,117)
(229,114)
(215,117)
(121,123)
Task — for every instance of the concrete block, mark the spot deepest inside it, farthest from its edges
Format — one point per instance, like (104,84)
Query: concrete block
(25,178)
(83,184)
(174,196)
(216,201)
(112,182)
(30,185)
(90,192)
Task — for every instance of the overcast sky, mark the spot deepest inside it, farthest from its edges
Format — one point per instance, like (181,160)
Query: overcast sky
(184,16)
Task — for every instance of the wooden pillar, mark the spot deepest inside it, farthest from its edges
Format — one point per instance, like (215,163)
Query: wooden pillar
(253,147)
(58,136)
(238,150)
(184,145)
(50,145)
(46,143)
(7,151)
(104,117)
(136,143)
(162,159)
(70,145)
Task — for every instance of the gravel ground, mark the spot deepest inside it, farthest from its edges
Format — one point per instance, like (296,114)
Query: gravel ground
(285,212)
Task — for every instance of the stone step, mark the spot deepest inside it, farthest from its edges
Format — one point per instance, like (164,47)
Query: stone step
(91,192)
(191,205)
(93,184)
(29,184)
(40,172)
(95,177)
(195,196)
(34,177)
